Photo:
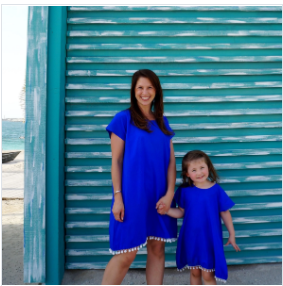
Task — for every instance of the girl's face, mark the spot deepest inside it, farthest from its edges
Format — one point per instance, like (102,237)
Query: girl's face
(144,91)
(198,170)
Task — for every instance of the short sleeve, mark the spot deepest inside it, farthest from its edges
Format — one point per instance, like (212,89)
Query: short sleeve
(118,125)
(224,202)
(168,127)
(178,197)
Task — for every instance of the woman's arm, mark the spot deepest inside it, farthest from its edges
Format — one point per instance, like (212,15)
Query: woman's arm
(117,148)
(176,212)
(227,219)
(164,203)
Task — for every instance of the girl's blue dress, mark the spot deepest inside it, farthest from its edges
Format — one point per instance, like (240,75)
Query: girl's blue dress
(200,241)
(144,182)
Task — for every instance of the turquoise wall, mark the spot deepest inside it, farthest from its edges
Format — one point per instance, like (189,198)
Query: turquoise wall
(220,69)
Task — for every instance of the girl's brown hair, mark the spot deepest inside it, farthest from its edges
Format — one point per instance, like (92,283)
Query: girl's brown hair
(195,155)
(136,115)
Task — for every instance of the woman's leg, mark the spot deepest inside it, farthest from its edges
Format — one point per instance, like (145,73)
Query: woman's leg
(208,278)
(195,277)
(155,262)
(117,268)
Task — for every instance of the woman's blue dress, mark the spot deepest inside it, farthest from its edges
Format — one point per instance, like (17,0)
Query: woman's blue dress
(144,182)
(200,241)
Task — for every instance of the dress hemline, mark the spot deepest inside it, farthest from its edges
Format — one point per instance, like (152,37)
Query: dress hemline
(202,268)
(141,245)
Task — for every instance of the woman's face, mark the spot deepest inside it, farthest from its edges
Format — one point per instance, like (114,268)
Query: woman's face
(144,91)
(198,170)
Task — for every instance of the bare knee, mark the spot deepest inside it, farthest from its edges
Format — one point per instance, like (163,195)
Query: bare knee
(208,276)
(127,258)
(196,273)
(156,248)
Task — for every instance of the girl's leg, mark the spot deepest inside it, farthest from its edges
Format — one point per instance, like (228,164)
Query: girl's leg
(155,262)
(208,278)
(117,268)
(195,277)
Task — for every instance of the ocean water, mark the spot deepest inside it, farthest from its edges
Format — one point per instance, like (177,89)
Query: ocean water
(11,131)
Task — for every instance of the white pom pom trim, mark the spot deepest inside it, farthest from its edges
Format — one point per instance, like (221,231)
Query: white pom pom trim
(143,244)
(200,267)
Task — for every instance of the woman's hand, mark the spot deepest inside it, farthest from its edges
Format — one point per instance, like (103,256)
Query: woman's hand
(232,241)
(163,205)
(118,209)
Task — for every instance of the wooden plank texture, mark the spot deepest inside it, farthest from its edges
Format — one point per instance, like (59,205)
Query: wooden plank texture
(35,147)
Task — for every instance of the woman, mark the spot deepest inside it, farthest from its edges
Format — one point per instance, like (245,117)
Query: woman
(143,175)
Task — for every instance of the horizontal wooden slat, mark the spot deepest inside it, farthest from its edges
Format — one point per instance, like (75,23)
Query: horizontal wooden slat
(222,166)
(172,249)
(177,86)
(171,46)
(232,194)
(184,126)
(166,20)
(169,33)
(237,207)
(225,112)
(224,180)
(175,8)
(183,140)
(226,153)
(177,99)
(199,59)
(142,264)
(238,234)
(236,220)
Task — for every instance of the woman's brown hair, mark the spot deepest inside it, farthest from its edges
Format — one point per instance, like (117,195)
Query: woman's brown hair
(195,155)
(136,115)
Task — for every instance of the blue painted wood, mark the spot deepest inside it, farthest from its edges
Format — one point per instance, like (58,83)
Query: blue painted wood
(177,99)
(149,20)
(222,94)
(35,147)
(172,263)
(199,59)
(55,145)
(188,33)
(171,46)
(175,8)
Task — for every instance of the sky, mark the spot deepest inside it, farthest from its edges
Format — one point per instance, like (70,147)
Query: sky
(14,48)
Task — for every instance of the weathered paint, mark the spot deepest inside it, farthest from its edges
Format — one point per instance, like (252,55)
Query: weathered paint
(177,99)
(199,20)
(218,85)
(212,33)
(222,93)
(169,46)
(173,59)
(175,8)
(240,125)
(182,113)
(35,147)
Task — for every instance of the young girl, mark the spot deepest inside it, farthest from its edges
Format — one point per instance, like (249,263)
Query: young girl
(201,201)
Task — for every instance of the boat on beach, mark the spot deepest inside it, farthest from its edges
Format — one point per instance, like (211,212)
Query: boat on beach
(9,156)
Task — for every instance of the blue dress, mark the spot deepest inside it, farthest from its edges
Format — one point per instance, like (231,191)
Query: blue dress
(200,241)
(144,182)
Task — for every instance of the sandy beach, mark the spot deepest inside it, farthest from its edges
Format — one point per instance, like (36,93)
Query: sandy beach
(12,220)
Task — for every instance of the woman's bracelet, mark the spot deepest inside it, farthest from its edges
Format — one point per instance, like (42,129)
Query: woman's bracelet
(116,192)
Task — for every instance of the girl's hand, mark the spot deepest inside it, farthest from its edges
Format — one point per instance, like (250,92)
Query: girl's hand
(163,205)
(232,241)
(118,210)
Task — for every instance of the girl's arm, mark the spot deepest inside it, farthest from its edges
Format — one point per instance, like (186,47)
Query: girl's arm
(164,203)
(227,219)
(176,212)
